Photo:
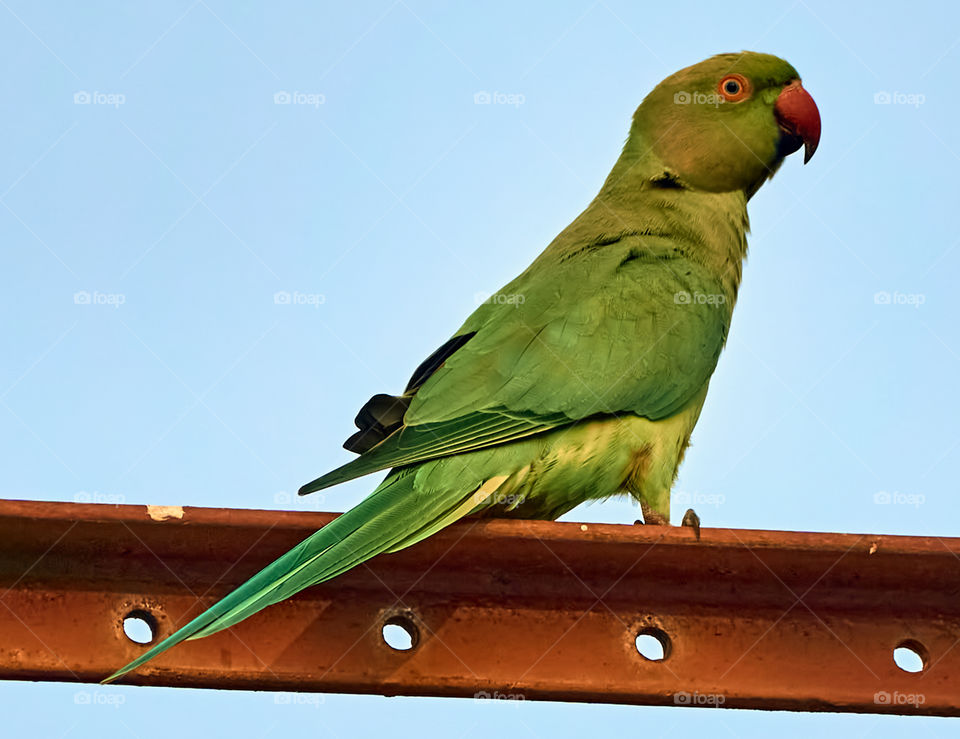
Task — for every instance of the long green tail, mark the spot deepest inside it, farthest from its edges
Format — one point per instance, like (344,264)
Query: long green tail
(394,516)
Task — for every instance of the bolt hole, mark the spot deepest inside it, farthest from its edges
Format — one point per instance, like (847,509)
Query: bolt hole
(400,633)
(140,627)
(910,656)
(653,644)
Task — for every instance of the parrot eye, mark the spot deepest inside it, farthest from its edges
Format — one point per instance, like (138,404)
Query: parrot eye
(734,88)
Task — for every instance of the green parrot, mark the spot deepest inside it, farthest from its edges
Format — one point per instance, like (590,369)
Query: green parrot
(584,377)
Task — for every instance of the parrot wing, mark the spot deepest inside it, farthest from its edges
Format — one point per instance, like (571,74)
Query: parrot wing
(621,328)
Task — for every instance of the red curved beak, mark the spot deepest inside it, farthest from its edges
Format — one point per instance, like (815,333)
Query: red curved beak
(799,120)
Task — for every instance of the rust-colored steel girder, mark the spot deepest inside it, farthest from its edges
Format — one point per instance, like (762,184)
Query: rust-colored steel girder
(523,609)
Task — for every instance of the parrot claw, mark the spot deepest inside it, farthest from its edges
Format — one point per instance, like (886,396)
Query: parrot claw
(652,517)
(691,519)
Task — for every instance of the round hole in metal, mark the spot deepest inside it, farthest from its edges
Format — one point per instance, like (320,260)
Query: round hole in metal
(910,656)
(140,626)
(653,644)
(400,633)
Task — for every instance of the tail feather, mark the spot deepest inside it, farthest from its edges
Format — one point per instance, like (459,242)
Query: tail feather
(479,499)
(395,515)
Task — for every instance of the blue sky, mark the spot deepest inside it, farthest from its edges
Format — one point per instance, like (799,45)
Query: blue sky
(170,168)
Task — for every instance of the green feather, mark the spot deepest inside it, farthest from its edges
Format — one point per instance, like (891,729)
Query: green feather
(546,362)
(584,376)
(393,513)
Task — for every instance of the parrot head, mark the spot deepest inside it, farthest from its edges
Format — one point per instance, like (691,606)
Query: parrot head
(727,123)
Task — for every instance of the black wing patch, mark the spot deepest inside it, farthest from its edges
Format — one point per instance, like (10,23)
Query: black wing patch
(432,363)
(383,414)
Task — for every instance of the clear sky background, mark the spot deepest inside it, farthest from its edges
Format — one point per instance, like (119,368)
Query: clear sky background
(156,197)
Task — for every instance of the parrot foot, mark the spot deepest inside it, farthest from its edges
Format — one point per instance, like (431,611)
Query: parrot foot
(652,517)
(691,519)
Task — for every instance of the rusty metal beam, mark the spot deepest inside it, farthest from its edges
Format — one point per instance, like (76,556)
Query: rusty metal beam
(753,619)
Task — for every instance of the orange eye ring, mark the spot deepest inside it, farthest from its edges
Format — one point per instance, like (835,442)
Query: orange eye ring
(734,87)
